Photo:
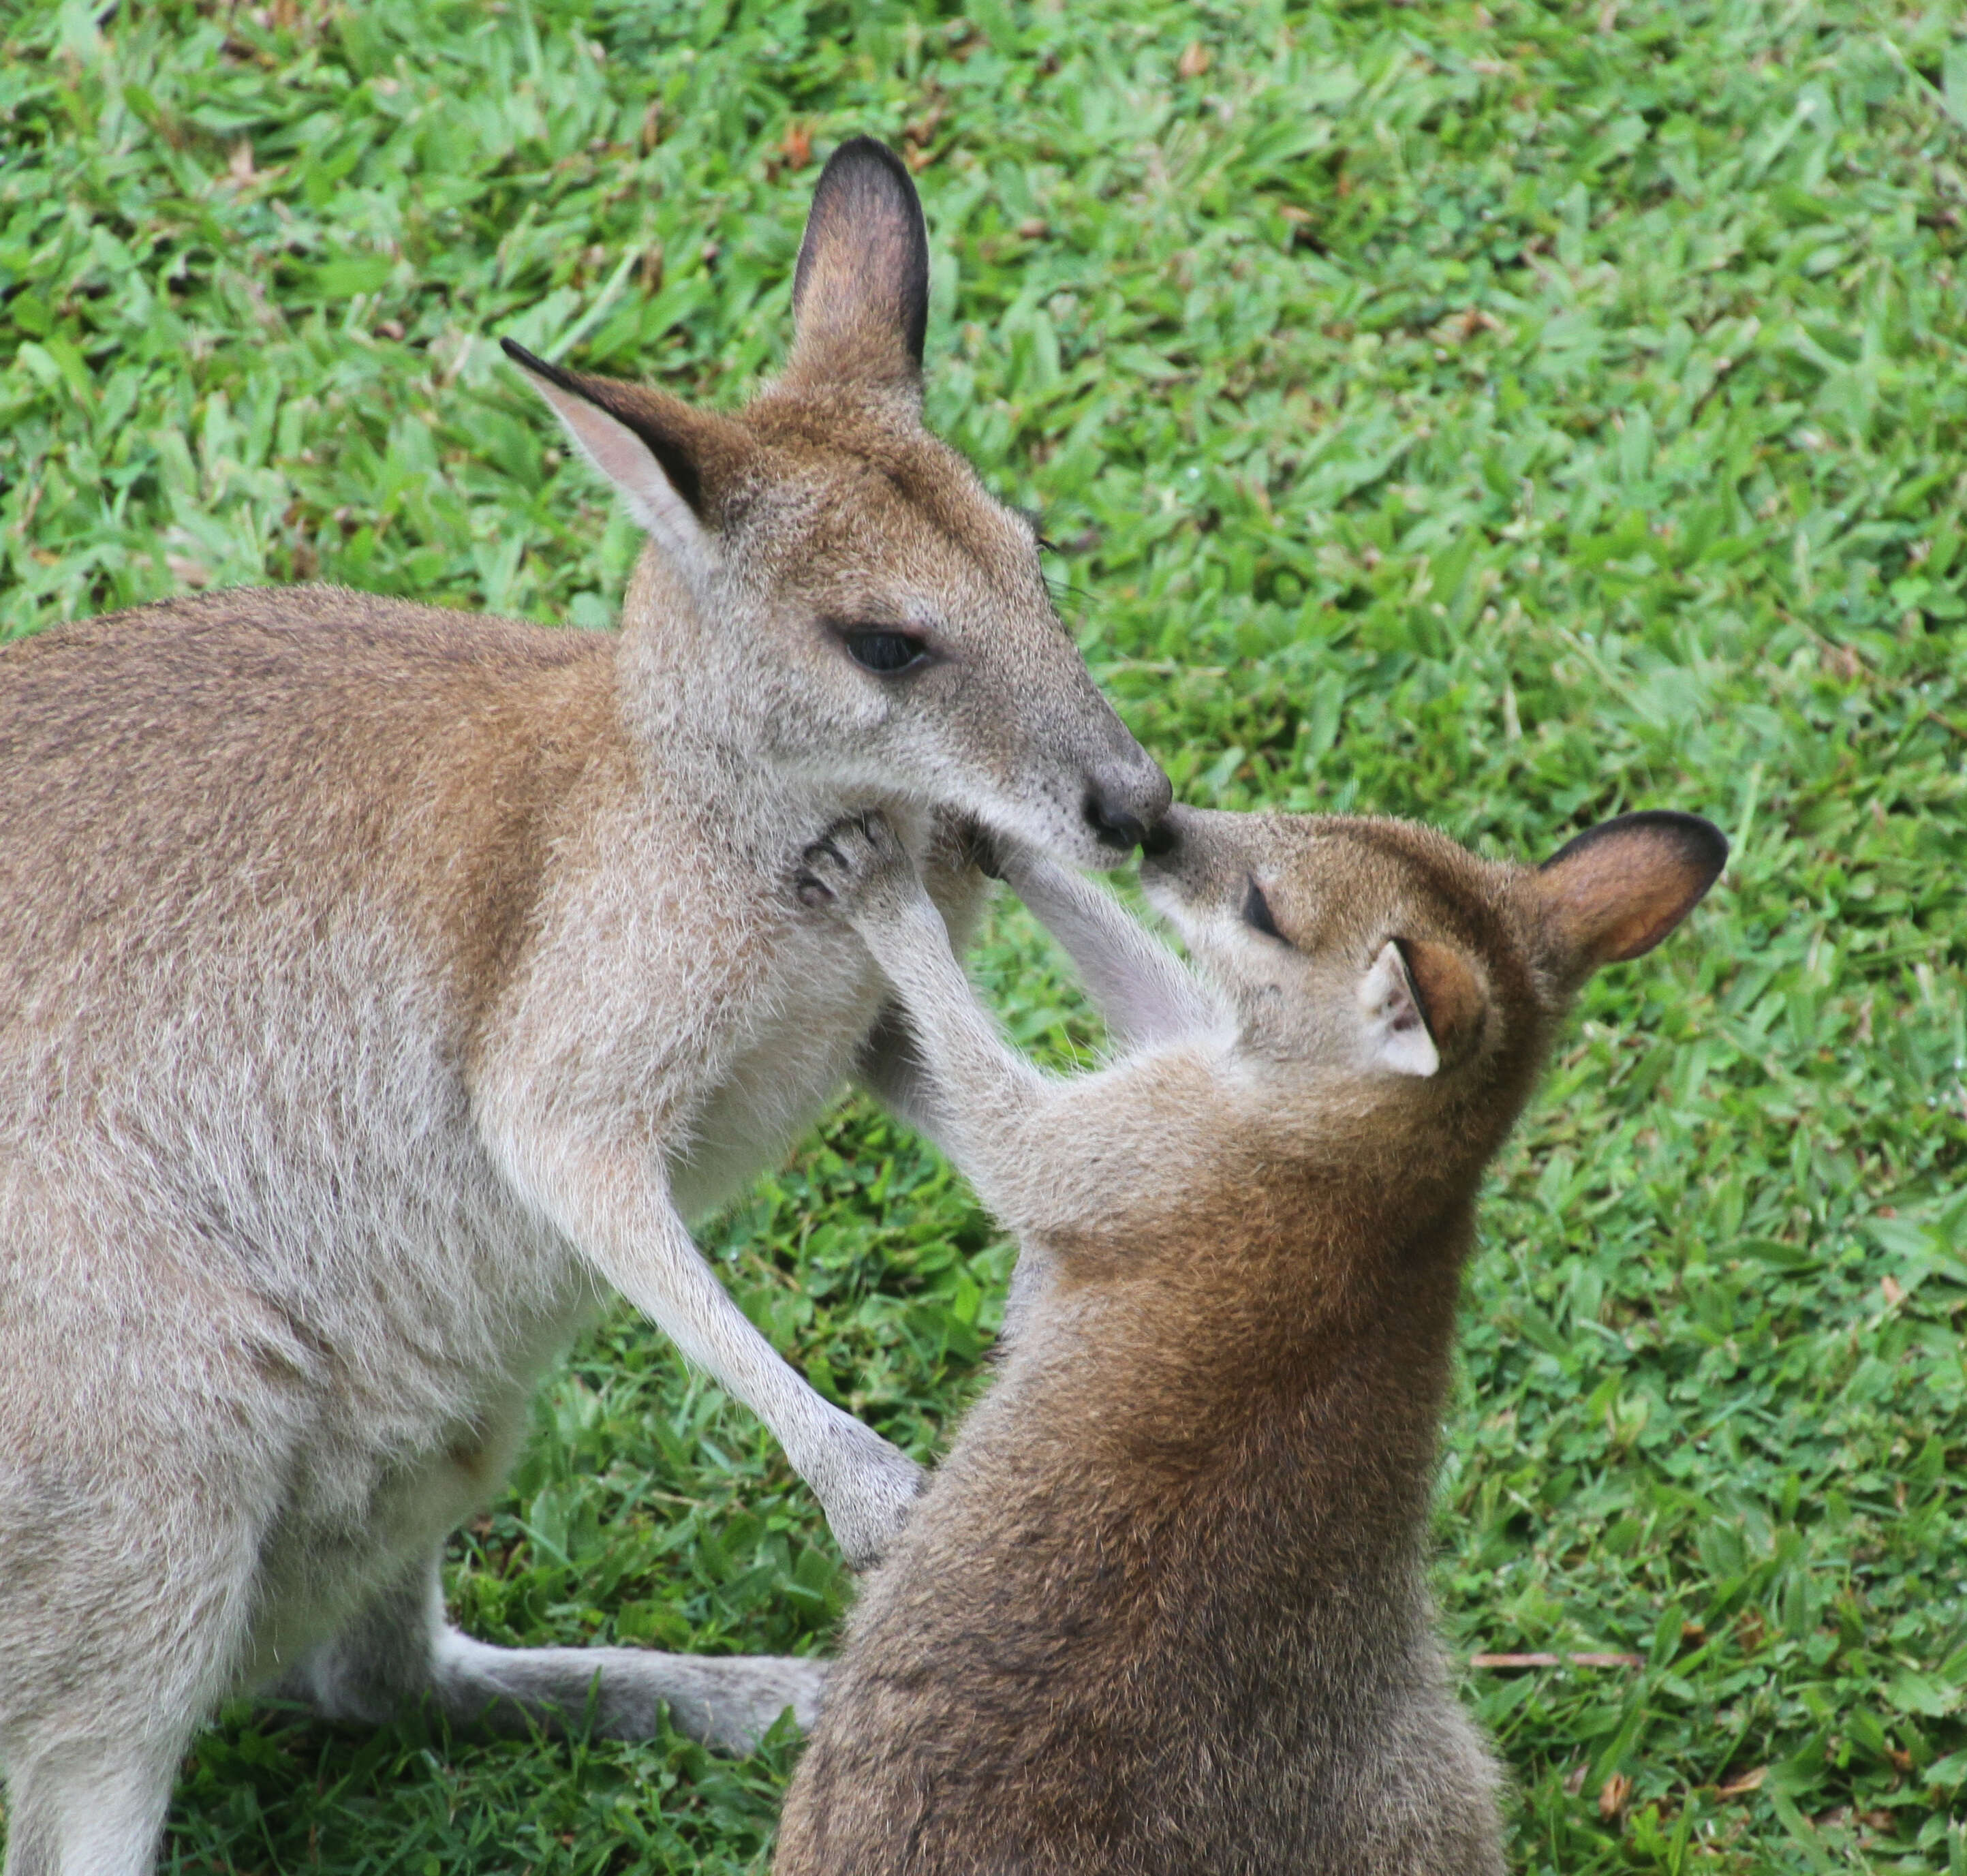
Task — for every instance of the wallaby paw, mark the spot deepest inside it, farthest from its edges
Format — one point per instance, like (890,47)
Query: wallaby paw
(867,1520)
(957,843)
(857,865)
(1025,869)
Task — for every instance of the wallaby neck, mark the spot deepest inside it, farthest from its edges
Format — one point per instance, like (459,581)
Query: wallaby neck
(681,689)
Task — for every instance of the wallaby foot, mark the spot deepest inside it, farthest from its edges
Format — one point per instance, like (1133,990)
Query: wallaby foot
(400,1652)
(867,1488)
(85,1809)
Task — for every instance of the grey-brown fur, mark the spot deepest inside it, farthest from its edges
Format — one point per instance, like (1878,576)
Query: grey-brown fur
(1164,1608)
(379,984)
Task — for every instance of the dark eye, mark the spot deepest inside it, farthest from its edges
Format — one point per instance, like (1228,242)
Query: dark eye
(1257,914)
(887,652)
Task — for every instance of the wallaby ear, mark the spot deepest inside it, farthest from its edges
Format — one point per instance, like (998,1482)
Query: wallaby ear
(1618,889)
(1451,999)
(661,455)
(860,291)
(1397,1034)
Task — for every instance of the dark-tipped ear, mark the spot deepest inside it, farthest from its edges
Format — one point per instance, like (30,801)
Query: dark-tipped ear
(1446,987)
(1618,889)
(663,457)
(861,292)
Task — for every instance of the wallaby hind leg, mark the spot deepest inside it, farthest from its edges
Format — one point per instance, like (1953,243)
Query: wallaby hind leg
(401,1650)
(83,1809)
(106,1668)
(130,1541)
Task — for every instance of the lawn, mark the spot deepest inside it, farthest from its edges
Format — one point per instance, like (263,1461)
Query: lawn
(1508,415)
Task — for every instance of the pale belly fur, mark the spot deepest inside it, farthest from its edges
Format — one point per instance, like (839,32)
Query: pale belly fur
(264,1191)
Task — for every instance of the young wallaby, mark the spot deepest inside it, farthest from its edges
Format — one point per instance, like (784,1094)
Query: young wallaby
(377,983)
(1164,1608)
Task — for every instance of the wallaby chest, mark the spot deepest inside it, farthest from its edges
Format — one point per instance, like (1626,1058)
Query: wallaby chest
(242,1026)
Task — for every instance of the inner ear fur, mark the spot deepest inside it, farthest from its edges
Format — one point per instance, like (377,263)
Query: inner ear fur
(860,291)
(1446,989)
(699,453)
(1616,889)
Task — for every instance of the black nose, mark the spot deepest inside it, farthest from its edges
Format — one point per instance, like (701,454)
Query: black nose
(1160,839)
(1113,826)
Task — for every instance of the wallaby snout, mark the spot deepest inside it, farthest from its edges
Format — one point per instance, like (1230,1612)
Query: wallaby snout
(1124,807)
(1191,852)
(1112,826)
(1161,841)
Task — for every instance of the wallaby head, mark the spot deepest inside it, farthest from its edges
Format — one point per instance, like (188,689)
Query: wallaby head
(1382,951)
(870,617)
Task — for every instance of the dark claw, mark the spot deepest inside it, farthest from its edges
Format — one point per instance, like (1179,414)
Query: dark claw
(825,846)
(811,891)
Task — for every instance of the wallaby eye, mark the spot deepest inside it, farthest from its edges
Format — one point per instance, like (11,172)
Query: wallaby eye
(886,653)
(1257,914)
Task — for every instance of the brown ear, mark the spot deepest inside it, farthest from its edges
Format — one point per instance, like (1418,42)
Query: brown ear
(1618,889)
(861,292)
(1445,989)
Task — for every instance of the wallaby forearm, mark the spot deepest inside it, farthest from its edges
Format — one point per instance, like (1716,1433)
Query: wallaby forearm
(956,1042)
(1043,1154)
(615,1206)
(1141,988)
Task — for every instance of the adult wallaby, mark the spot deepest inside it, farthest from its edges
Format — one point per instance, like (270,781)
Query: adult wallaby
(376,981)
(1164,1608)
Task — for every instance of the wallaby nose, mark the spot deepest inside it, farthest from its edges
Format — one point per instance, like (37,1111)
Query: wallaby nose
(1121,808)
(1124,802)
(1167,844)
(1112,825)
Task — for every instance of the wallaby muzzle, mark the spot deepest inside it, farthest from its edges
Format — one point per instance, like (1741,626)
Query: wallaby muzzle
(1123,810)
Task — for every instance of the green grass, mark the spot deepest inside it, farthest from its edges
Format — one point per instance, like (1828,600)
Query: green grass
(1507,416)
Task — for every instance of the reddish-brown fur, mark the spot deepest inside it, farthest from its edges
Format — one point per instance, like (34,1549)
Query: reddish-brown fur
(1164,1609)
